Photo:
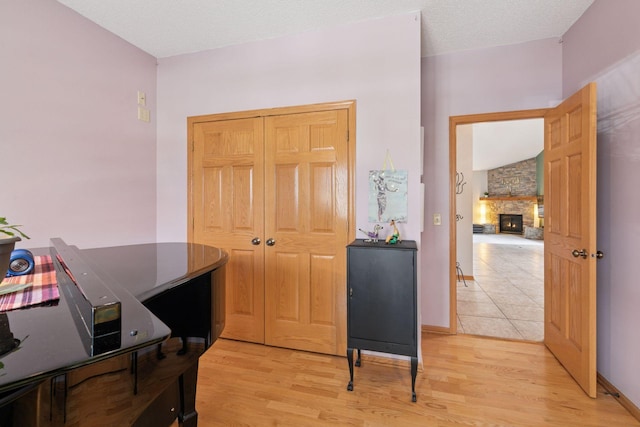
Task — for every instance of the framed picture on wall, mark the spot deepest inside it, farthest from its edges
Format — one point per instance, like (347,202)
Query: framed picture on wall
(388,195)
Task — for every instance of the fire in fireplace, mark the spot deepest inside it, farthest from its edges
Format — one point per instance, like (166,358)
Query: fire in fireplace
(510,223)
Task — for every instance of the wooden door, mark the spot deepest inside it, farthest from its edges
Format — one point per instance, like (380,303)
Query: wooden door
(226,178)
(570,235)
(306,215)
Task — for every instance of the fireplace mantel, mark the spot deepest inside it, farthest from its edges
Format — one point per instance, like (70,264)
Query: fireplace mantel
(510,198)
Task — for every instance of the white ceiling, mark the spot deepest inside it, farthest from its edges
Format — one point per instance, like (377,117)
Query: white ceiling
(497,144)
(172,27)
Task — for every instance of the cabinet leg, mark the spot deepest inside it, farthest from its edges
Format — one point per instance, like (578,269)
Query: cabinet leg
(414,372)
(350,361)
(358,360)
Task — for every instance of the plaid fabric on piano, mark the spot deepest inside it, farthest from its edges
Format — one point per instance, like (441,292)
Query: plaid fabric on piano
(42,286)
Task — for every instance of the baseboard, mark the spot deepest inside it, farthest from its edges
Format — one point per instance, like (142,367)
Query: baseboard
(436,329)
(621,398)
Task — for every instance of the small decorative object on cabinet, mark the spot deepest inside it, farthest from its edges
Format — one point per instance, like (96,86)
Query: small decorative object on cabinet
(373,235)
(381,302)
(394,237)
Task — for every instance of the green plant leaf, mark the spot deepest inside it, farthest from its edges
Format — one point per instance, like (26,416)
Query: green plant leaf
(10,229)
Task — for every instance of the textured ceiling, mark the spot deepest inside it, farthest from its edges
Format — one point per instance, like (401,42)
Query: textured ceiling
(172,27)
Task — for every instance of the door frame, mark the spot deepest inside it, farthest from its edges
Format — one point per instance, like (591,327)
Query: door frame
(350,107)
(454,121)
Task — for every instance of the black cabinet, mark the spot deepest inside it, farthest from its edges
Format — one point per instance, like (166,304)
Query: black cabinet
(381,301)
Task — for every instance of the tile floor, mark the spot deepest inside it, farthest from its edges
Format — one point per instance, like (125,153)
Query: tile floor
(506,300)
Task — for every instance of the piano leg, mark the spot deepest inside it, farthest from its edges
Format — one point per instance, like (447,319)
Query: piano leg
(134,371)
(184,348)
(188,416)
(159,354)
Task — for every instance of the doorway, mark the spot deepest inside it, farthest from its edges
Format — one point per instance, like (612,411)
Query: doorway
(570,252)
(497,279)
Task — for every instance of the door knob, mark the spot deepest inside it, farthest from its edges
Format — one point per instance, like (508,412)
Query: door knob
(271,242)
(599,255)
(255,241)
(576,253)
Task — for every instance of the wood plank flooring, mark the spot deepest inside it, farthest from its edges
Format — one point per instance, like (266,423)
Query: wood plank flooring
(466,381)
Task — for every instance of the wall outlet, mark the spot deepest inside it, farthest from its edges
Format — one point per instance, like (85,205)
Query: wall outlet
(144,114)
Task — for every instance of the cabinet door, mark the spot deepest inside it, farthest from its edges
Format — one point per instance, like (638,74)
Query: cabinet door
(381,295)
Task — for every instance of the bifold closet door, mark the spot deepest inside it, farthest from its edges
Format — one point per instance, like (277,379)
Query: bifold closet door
(273,191)
(227,197)
(306,218)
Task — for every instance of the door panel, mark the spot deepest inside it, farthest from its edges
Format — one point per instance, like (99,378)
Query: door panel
(557,295)
(322,303)
(306,213)
(570,224)
(227,201)
(574,194)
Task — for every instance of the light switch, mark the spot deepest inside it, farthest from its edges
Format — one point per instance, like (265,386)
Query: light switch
(142,98)
(437,219)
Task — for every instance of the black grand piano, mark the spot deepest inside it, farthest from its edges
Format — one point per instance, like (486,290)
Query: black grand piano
(120,347)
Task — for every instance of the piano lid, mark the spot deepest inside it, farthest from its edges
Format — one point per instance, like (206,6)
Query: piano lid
(50,339)
(147,270)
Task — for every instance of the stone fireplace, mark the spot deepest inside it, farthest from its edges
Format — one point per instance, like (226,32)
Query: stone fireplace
(512,197)
(511,223)
(517,179)
(516,205)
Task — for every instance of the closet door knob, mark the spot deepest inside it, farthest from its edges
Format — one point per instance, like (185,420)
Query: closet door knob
(255,241)
(576,253)
(271,242)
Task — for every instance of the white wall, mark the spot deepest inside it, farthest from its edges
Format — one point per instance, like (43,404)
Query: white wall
(618,229)
(480,185)
(517,77)
(376,62)
(75,162)
(604,46)
(464,200)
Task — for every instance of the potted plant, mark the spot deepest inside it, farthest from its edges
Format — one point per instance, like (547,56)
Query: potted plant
(9,235)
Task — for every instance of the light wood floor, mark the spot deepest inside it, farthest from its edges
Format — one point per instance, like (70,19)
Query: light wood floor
(466,380)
